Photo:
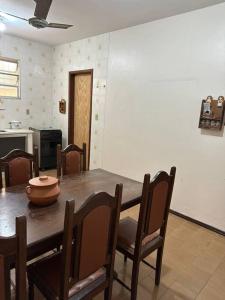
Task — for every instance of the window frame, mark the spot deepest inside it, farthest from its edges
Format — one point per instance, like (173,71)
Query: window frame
(17,74)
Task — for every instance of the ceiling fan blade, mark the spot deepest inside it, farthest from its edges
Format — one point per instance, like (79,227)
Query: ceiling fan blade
(42,8)
(60,26)
(4,13)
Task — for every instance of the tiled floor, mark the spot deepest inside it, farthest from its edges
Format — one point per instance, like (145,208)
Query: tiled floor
(193,265)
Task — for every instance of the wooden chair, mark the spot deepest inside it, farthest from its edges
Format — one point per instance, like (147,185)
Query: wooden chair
(136,240)
(1,185)
(84,267)
(11,248)
(19,166)
(71,160)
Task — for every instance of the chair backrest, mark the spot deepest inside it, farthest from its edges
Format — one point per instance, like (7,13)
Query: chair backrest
(19,166)
(71,160)
(90,237)
(11,248)
(1,185)
(156,199)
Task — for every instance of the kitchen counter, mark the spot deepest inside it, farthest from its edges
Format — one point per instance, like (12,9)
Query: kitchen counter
(8,139)
(15,131)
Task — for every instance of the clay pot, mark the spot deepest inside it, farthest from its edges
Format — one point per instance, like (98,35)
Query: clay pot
(43,190)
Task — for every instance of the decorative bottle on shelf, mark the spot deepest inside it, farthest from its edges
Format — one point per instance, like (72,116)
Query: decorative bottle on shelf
(220,101)
(207,107)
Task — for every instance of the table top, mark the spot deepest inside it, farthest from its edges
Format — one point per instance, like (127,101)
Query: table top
(44,222)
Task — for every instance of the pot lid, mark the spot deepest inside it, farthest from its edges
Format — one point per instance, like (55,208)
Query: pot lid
(43,181)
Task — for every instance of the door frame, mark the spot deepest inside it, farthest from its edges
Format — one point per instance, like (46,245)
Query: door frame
(71,106)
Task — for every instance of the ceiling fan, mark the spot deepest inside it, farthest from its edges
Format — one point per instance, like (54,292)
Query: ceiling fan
(40,15)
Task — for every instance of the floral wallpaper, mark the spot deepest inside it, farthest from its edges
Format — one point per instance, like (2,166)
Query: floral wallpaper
(44,81)
(35,106)
(91,53)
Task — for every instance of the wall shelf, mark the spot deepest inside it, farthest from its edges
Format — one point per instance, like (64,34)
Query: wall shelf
(212,113)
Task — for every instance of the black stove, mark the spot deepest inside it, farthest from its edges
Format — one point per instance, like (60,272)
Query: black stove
(47,139)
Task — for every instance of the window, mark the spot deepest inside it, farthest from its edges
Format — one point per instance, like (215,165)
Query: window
(9,78)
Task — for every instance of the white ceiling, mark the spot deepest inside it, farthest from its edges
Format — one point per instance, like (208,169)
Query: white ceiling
(93,17)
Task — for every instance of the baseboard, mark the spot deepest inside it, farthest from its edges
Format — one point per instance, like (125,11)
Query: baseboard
(197,222)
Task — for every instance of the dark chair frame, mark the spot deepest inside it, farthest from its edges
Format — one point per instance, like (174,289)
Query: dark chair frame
(71,252)
(17,153)
(10,248)
(61,157)
(140,251)
(1,184)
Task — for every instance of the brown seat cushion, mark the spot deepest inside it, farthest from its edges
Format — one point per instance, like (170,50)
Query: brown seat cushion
(46,272)
(127,235)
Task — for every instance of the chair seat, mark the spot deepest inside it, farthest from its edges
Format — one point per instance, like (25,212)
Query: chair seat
(46,275)
(127,236)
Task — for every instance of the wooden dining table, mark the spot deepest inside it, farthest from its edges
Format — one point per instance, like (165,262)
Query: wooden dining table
(45,224)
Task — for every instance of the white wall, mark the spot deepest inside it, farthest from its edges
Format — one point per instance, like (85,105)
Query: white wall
(36,83)
(89,53)
(158,74)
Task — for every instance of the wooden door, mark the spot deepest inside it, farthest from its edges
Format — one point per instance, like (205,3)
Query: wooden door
(80,111)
